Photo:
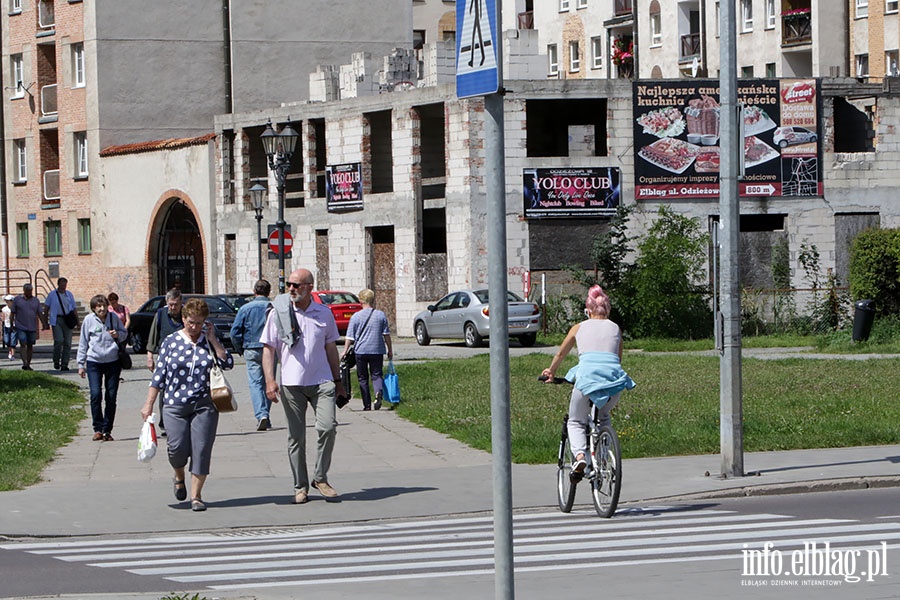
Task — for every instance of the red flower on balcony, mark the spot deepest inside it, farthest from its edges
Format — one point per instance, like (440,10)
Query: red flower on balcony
(796,11)
(623,53)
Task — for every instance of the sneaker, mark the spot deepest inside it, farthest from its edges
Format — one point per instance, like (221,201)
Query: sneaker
(263,424)
(378,398)
(300,497)
(579,465)
(325,489)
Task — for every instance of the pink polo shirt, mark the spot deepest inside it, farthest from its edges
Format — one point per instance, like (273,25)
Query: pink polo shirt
(304,363)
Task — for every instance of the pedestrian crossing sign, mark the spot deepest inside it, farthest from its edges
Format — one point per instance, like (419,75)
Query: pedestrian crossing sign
(476,48)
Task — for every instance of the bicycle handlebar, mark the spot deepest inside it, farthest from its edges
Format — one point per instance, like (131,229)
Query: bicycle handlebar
(555,379)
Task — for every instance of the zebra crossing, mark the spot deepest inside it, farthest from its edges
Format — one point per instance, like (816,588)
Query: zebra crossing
(452,547)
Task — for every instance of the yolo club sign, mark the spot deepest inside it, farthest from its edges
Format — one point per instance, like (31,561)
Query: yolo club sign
(571,192)
(676,138)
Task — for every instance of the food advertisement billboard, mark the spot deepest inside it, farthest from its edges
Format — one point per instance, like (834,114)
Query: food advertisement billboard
(567,192)
(676,138)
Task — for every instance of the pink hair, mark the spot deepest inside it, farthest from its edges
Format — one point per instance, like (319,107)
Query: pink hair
(597,302)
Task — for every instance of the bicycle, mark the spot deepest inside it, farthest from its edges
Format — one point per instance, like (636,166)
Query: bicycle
(604,470)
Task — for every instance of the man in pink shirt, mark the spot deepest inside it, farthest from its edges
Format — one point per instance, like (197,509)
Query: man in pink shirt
(304,336)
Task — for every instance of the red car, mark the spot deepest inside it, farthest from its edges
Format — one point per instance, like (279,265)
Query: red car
(342,305)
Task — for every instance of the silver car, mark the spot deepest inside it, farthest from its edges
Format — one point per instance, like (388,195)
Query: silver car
(465,315)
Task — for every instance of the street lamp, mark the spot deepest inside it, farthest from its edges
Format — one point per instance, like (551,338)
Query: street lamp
(279,149)
(257,198)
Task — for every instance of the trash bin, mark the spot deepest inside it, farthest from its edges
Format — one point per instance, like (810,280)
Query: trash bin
(863,317)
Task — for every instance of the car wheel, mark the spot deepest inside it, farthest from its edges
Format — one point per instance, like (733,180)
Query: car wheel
(813,138)
(473,338)
(138,344)
(783,144)
(422,337)
(528,339)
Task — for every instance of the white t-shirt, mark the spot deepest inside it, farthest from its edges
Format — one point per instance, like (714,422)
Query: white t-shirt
(7,316)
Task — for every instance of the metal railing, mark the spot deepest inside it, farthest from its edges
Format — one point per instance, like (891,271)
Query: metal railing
(49,105)
(690,46)
(623,7)
(796,28)
(526,20)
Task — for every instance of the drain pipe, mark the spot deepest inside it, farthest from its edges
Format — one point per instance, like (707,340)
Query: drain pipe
(226,35)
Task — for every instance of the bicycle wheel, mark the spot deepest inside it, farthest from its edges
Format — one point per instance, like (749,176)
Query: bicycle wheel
(565,487)
(607,461)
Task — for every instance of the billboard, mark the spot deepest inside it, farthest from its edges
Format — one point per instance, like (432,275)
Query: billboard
(676,138)
(343,187)
(571,192)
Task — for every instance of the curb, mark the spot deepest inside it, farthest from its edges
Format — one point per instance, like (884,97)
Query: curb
(798,487)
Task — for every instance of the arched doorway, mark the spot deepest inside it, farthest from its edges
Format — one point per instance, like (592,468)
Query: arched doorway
(178,253)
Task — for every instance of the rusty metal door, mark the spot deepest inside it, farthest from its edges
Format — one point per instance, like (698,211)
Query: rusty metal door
(383,274)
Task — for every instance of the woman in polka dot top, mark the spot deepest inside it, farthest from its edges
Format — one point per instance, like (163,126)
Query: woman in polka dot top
(182,375)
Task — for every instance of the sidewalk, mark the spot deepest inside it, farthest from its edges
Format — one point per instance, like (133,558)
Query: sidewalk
(384,467)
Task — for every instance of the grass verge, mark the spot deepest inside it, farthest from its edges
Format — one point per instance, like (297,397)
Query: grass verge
(674,410)
(38,414)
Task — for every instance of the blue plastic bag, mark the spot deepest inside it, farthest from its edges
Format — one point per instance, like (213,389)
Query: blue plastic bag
(391,384)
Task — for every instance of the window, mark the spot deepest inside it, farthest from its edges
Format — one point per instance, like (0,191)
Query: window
(862,65)
(78,65)
(597,52)
(552,61)
(574,57)
(891,62)
(563,5)
(23,246)
(81,155)
(747,72)
(862,8)
(747,15)
(15,7)
(655,30)
(53,238)
(18,75)
(21,173)
(84,236)
(717,18)
(770,70)
(891,6)
(770,14)
(581,4)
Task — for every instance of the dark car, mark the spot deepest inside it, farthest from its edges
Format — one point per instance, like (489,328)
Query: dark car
(221,313)
(342,305)
(236,300)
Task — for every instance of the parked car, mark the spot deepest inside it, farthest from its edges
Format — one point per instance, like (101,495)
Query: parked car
(342,305)
(236,300)
(465,315)
(788,136)
(221,313)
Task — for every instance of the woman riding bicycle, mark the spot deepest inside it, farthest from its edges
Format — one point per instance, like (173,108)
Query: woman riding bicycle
(598,376)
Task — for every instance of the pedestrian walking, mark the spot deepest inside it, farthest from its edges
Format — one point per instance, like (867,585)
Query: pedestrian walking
(9,332)
(26,309)
(245,335)
(166,321)
(303,335)
(370,335)
(61,303)
(98,360)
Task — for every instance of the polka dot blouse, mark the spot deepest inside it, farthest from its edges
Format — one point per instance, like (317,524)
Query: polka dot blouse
(182,369)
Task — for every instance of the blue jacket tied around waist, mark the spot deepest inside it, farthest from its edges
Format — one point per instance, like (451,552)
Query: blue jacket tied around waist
(599,376)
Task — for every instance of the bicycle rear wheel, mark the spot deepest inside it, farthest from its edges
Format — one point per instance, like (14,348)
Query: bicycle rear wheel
(565,487)
(607,461)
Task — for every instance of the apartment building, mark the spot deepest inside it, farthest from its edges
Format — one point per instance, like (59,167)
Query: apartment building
(83,77)
(875,39)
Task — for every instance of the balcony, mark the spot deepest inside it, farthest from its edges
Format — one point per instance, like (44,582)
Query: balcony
(690,47)
(48,101)
(623,7)
(796,27)
(51,186)
(526,20)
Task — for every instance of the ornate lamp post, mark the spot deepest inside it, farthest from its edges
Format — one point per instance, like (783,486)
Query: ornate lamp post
(257,198)
(279,149)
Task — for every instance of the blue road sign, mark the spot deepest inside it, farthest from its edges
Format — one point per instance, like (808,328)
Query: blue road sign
(476,49)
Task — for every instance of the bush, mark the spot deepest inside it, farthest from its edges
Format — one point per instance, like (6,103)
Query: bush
(875,269)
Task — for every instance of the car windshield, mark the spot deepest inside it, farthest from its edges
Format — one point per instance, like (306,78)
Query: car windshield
(217,305)
(339,298)
(482,296)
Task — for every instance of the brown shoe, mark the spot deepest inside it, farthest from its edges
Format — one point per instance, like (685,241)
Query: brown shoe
(325,489)
(300,497)
(98,437)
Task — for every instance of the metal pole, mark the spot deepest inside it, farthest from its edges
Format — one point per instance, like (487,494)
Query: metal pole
(495,176)
(280,171)
(259,244)
(731,148)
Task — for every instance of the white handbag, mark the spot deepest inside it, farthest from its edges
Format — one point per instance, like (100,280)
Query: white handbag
(220,390)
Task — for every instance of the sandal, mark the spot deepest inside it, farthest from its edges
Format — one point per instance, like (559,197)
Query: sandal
(197,505)
(180,490)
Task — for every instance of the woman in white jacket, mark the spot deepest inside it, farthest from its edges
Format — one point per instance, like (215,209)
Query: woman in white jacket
(98,359)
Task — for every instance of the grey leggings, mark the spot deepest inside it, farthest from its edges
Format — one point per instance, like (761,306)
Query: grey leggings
(579,419)
(191,431)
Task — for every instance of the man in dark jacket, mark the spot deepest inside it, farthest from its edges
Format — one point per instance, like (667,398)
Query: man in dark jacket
(166,321)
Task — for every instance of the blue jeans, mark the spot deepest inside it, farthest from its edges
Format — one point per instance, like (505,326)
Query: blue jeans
(257,382)
(366,363)
(96,372)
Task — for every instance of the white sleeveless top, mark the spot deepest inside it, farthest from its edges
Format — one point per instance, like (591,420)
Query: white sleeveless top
(598,335)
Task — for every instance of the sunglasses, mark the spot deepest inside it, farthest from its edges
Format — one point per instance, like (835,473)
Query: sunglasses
(296,285)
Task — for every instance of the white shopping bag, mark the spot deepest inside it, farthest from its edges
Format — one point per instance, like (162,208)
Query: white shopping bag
(147,440)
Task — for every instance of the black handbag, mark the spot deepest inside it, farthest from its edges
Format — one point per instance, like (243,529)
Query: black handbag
(71,317)
(124,357)
(348,360)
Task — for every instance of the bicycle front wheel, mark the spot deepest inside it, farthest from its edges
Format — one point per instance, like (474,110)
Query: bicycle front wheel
(607,462)
(565,487)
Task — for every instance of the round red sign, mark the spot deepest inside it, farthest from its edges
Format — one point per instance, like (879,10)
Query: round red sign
(273,241)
